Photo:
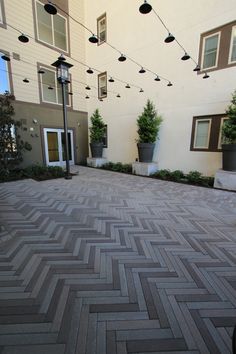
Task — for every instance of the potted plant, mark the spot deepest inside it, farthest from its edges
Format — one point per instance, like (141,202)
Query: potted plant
(229,137)
(148,128)
(97,131)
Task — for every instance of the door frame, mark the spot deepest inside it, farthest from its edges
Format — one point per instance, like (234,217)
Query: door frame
(46,155)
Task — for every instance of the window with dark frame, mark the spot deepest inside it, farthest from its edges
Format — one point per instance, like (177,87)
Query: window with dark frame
(102,29)
(102,85)
(206,133)
(217,48)
(104,139)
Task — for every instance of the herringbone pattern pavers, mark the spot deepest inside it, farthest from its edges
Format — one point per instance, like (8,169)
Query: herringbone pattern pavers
(116,264)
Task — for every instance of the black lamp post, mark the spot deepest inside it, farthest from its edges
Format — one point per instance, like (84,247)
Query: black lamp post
(63,78)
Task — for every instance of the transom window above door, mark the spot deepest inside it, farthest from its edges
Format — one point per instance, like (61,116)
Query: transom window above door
(51,29)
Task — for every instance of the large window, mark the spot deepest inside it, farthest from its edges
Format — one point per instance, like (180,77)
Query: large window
(232,55)
(210,51)
(4,74)
(102,29)
(102,85)
(218,48)
(206,133)
(51,88)
(51,29)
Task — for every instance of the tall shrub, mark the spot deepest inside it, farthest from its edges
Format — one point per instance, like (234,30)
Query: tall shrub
(148,124)
(97,128)
(229,126)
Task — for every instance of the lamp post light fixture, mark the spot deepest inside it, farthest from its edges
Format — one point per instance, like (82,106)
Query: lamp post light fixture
(63,78)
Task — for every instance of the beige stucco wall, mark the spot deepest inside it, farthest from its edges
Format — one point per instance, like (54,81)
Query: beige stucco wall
(142,38)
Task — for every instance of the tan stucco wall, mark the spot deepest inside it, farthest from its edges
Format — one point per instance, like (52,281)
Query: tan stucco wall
(142,38)
(50,118)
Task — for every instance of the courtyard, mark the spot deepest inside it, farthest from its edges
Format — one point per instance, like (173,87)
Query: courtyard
(114,263)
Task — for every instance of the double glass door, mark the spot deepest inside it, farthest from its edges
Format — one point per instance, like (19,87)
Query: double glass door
(55,147)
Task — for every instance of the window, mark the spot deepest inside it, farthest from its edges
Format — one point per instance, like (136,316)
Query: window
(102,85)
(217,48)
(206,133)
(2,15)
(4,73)
(232,56)
(102,29)
(51,29)
(104,139)
(202,133)
(220,142)
(51,89)
(210,51)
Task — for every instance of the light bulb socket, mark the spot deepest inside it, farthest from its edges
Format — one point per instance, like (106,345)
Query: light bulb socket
(50,8)
(93,39)
(145,8)
(142,71)
(170,38)
(23,38)
(185,56)
(122,58)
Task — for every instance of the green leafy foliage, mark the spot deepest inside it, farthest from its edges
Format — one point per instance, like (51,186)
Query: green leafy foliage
(148,124)
(11,144)
(37,172)
(193,177)
(118,167)
(229,126)
(97,128)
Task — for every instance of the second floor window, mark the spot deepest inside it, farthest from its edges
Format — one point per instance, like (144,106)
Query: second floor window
(52,29)
(51,88)
(102,85)
(102,29)
(210,51)
(232,57)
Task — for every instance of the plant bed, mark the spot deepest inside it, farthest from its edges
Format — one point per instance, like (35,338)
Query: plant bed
(36,172)
(117,167)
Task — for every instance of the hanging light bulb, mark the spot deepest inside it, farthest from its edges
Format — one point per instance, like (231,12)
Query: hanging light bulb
(122,58)
(5,57)
(70,93)
(87,97)
(157,78)
(93,39)
(87,88)
(100,99)
(41,71)
(145,8)
(23,38)
(90,71)
(26,80)
(197,68)
(118,95)
(50,8)
(111,80)
(206,76)
(127,86)
(141,90)
(185,56)
(50,88)
(170,38)
(169,84)
(142,70)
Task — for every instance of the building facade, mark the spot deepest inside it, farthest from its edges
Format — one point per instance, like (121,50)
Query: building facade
(193,109)
(29,76)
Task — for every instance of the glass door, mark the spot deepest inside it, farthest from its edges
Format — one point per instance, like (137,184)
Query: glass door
(54,140)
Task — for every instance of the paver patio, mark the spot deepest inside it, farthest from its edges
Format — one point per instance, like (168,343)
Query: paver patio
(111,263)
